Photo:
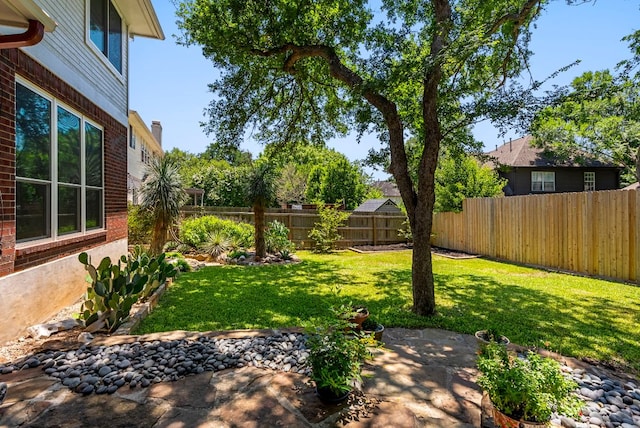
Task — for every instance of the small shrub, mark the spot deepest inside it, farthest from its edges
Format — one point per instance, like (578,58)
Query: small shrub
(139,224)
(195,231)
(277,239)
(527,388)
(325,232)
(216,244)
(178,260)
(236,254)
(335,357)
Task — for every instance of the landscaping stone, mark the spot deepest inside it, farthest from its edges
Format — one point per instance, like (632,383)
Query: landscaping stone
(92,368)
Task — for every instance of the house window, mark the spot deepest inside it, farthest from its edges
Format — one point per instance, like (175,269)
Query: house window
(132,138)
(543,181)
(105,30)
(59,169)
(589,181)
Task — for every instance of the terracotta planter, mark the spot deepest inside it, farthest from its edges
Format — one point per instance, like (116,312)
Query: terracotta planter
(501,420)
(481,337)
(361,315)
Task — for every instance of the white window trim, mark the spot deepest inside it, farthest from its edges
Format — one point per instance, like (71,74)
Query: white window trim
(592,181)
(97,52)
(543,190)
(53,179)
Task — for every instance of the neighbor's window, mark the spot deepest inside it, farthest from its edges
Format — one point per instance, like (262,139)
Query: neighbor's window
(105,30)
(543,181)
(589,181)
(132,138)
(61,194)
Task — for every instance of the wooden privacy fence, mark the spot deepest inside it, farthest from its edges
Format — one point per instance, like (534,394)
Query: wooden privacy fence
(361,228)
(596,233)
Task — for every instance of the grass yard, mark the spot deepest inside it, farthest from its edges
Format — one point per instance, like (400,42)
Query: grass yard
(575,316)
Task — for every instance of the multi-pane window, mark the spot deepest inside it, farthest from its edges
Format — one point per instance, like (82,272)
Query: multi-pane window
(589,181)
(543,181)
(105,30)
(59,168)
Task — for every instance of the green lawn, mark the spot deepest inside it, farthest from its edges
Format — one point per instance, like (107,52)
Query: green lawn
(575,316)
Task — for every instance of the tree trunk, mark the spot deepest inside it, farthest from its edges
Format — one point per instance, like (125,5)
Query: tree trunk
(158,237)
(258,212)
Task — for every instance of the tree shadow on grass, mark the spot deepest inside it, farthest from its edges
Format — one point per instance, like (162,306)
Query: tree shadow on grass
(235,297)
(576,324)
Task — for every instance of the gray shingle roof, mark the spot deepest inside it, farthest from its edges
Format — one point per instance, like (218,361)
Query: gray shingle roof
(373,205)
(520,152)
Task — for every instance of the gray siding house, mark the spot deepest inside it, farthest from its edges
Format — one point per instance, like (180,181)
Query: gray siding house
(531,170)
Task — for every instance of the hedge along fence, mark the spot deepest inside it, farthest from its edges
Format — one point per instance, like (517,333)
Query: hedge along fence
(361,228)
(594,233)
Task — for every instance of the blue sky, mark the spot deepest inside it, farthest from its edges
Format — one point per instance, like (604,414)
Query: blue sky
(169,82)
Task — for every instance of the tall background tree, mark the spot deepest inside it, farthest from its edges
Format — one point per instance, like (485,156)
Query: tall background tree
(163,194)
(598,118)
(311,70)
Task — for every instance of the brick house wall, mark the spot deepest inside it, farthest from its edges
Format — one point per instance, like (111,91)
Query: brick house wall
(15,62)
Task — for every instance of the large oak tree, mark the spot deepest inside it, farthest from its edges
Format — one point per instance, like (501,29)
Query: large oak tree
(296,70)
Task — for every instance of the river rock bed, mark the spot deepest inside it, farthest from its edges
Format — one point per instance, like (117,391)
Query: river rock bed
(609,402)
(104,369)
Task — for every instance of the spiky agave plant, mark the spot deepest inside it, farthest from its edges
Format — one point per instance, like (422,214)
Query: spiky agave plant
(162,192)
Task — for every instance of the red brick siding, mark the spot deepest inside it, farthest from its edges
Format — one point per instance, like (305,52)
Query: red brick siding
(7,166)
(14,62)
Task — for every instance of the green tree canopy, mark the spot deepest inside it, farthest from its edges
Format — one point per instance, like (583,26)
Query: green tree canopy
(461,176)
(311,70)
(599,118)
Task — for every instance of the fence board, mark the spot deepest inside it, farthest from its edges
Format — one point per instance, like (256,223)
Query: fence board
(596,233)
(361,229)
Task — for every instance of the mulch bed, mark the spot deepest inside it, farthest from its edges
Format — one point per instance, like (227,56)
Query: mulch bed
(452,254)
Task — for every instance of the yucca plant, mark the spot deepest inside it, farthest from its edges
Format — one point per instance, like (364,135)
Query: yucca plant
(162,192)
(261,192)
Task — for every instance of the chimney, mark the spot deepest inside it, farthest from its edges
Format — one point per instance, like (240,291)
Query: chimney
(510,148)
(156,130)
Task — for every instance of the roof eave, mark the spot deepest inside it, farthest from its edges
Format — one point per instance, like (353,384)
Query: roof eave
(26,10)
(141,18)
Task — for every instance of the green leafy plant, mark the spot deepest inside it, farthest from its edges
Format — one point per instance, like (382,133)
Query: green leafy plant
(277,238)
(216,244)
(112,293)
(178,260)
(195,231)
(156,269)
(336,357)
(529,387)
(325,232)
(139,224)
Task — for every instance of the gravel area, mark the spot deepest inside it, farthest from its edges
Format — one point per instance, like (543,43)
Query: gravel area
(104,369)
(609,402)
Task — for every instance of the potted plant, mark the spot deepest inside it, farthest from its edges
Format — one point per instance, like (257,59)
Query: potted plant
(525,390)
(336,358)
(371,326)
(491,335)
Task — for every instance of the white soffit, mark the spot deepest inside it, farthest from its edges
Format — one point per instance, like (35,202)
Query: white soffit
(17,13)
(141,18)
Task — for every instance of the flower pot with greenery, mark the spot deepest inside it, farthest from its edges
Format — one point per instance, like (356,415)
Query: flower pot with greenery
(491,335)
(525,390)
(336,358)
(371,326)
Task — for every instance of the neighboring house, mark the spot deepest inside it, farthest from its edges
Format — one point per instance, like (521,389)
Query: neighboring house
(384,205)
(530,170)
(63,154)
(389,190)
(144,146)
